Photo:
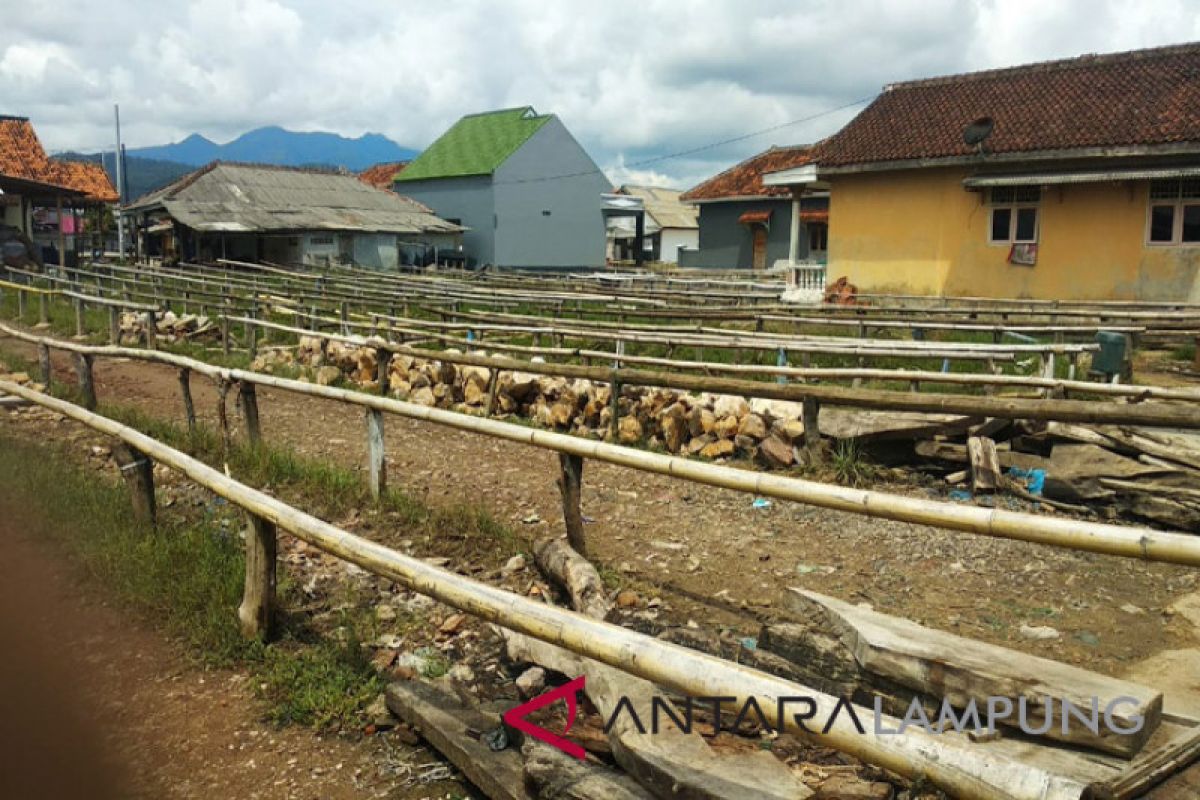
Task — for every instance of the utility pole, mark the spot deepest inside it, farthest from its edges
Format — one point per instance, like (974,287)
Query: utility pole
(120,183)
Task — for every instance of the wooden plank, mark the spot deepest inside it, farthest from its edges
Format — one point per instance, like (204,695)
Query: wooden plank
(555,775)
(442,721)
(985,466)
(960,670)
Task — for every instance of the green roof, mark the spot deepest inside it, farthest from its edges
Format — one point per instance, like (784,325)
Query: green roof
(476,145)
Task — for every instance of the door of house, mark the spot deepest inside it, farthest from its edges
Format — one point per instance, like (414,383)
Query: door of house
(759,259)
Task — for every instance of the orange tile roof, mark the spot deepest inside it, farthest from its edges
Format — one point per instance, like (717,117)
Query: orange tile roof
(1139,98)
(380,176)
(22,157)
(745,179)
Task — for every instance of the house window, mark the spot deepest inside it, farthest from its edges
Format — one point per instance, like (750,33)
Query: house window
(1014,214)
(1174,214)
(818,238)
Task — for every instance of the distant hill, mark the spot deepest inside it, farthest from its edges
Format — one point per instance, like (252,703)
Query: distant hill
(143,174)
(274,145)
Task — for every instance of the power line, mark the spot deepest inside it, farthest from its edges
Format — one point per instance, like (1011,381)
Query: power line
(702,148)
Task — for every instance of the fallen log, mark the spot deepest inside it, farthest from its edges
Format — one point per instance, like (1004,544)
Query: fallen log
(961,670)
(573,572)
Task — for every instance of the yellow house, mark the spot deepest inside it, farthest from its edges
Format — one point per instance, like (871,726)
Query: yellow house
(1074,179)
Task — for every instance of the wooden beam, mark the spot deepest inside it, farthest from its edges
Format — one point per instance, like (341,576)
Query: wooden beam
(256,612)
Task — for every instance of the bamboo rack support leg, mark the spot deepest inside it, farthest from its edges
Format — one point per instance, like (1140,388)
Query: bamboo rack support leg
(492,388)
(225,344)
(810,411)
(258,595)
(614,420)
(252,337)
(151,330)
(43,312)
(114,325)
(376,464)
(20,306)
(79,331)
(570,486)
(138,471)
(383,365)
(189,407)
(87,384)
(249,401)
(223,415)
(44,364)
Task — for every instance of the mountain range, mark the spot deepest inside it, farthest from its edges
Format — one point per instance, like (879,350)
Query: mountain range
(149,168)
(275,145)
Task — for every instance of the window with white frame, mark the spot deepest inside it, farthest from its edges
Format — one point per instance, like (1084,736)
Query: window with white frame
(1174,213)
(1014,214)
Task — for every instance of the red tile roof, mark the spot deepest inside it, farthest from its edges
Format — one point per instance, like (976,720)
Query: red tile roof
(745,179)
(380,176)
(1143,97)
(22,157)
(752,217)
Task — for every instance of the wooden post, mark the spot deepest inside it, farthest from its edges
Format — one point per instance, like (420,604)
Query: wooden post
(87,386)
(383,364)
(79,331)
(114,325)
(251,334)
(345,315)
(223,415)
(43,311)
(570,486)
(151,330)
(225,346)
(492,388)
(189,408)
(138,471)
(44,364)
(258,595)
(615,414)
(20,306)
(248,398)
(376,465)
(810,411)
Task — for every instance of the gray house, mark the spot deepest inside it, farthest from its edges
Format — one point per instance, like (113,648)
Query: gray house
(253,212)
(746,224)
(528,193)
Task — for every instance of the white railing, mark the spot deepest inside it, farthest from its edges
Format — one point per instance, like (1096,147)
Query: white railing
(804,281)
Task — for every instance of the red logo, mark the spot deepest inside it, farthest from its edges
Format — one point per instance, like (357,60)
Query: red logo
(516,717)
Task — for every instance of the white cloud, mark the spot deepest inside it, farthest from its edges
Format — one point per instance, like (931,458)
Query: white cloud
(633,79)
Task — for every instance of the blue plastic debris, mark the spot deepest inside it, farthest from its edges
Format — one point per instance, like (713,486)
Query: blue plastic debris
(960,494)
(760,502)
(750,643)
(1035,479)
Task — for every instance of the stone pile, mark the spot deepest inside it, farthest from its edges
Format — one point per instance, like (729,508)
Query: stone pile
(705,425)
(169,327)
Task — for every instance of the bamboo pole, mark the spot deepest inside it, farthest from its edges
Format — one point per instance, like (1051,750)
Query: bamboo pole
(950,761)
(1130,542)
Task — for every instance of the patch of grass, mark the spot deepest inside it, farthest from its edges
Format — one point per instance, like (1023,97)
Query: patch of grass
(850,465)
(1185,352)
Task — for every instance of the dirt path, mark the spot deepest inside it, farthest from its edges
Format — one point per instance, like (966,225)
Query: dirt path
(1110,612)
(101,705)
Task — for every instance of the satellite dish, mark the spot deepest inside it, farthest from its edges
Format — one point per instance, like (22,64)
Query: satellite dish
(979,130)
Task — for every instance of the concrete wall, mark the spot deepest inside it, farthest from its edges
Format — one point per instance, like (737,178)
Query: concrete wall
(674,238)
(529,184)
(468,200)
(726,243)
(921,232)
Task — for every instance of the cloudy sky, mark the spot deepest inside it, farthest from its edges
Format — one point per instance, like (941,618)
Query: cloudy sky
(635,80)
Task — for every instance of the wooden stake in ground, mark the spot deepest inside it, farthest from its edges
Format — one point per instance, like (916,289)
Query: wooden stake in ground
(189,408)
(570,486)
(985,464)
(138,471)
(249,401)
(258,595)
(44,364)
(223,416)
(376,464)
(87,385)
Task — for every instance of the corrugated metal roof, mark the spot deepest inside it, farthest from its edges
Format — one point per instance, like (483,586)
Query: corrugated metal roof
(1092,176)
(664,206)
(254,198)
